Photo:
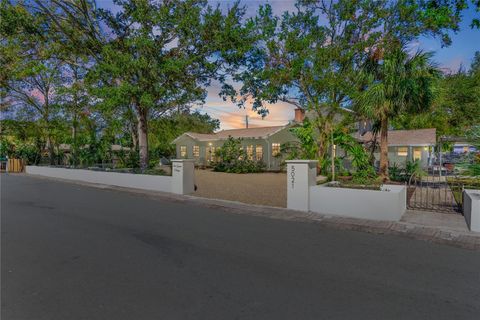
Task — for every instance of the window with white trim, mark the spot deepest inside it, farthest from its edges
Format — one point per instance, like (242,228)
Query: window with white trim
(258,153)
(275,149)
(211,154)
(196,151)
(183,151)
(250,152)
(402,151)
(417,154)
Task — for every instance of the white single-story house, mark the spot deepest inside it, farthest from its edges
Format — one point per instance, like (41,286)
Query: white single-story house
(407,145)
(261,144)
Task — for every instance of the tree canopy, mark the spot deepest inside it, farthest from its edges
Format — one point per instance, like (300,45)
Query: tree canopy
(85,76)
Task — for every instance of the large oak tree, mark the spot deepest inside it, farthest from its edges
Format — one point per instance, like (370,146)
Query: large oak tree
(162,54)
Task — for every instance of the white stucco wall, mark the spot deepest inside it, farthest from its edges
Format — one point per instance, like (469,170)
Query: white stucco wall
(366,204)
(471,209)
(181,181)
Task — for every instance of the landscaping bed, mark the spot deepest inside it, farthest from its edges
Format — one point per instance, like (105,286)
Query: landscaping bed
(353,185)
(152,171)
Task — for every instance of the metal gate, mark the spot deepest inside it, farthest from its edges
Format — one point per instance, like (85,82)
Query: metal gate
(434,192)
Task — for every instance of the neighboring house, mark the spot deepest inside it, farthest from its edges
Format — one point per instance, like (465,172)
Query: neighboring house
(261,144)
(459,148)
(406,145)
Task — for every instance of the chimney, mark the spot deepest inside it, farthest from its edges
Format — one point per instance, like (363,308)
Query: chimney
(299,115)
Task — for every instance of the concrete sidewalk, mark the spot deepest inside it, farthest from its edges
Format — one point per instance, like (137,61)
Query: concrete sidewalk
(441,228)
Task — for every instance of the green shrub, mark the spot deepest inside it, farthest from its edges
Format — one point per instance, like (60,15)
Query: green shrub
(396,173)
(231,157)
(128,159)
(411,170)
(366,176)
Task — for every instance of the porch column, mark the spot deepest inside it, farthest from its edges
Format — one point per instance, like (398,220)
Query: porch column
(183,176)
(301,175)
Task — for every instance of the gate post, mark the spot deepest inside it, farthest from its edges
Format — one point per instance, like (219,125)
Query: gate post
(471,209)
(183,176)
(301,175)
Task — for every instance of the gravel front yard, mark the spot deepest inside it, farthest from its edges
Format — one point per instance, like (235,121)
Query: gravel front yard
(256,188)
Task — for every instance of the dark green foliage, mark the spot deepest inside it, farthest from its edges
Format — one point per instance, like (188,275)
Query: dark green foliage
(365,177)
(412,170)
(396,173)
(354,150)
(162,55)
(306,147)
(231,157)
(164,130)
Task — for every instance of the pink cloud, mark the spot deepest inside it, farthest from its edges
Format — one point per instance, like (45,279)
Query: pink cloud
(232,117)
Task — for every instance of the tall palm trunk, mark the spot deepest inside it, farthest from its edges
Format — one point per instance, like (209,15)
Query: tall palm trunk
(384,149)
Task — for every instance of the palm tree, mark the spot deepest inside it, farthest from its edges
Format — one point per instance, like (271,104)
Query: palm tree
(395,82)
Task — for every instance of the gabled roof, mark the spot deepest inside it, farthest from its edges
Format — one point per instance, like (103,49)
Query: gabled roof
(405,137)
(250,133)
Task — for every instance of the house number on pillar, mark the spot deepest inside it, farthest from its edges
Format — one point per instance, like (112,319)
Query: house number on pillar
(292,177)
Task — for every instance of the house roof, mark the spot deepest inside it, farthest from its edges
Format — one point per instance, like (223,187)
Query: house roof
(261,132)
(405,137)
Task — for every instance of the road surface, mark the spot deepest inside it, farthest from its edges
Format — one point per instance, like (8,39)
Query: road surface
(78,252)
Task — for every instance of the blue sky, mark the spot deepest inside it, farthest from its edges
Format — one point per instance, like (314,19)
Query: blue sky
(461,52)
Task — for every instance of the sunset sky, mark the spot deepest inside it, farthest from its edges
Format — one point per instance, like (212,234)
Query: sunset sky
(461,52)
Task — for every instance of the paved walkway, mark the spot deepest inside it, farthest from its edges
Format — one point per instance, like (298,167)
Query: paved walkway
(436,219)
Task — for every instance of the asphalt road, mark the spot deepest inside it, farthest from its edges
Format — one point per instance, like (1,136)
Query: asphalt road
(77,252)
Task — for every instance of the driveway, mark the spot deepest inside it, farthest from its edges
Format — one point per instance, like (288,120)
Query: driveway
(255,188)
(77,252)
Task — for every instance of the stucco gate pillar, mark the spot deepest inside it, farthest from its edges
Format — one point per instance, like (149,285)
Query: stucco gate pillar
(183,176)
(301,175)
(471,209)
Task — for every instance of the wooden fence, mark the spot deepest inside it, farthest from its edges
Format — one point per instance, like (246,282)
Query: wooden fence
(15,165)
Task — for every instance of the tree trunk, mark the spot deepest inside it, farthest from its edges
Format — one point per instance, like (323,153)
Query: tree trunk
(142,138)
(322,144)
(384,150)
(74,140)
(134,134)
(51,150)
